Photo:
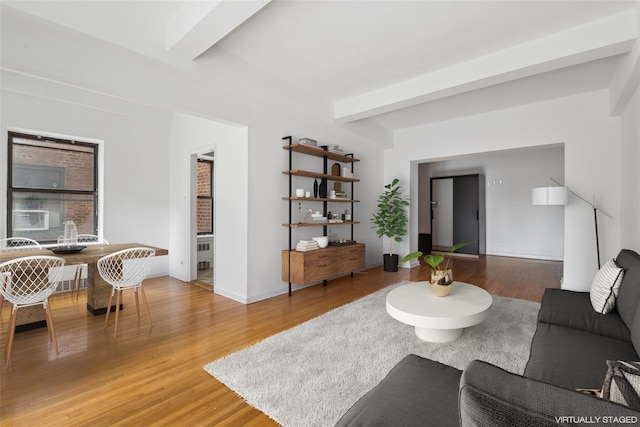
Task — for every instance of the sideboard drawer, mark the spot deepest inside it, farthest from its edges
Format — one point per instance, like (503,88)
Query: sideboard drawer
(309,267)
(322,264)
(351,258)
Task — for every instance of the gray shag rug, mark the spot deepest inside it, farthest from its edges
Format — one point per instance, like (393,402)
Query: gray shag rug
(311,374)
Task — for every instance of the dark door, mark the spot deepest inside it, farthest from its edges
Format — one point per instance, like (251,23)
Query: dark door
(465,213)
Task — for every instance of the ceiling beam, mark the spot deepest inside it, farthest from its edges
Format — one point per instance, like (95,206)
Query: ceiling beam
(198,25)
(599,39)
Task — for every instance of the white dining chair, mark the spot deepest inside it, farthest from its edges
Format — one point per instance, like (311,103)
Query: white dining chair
(84,239)
(91,239)
(126,269)
(16,244)
(29,281)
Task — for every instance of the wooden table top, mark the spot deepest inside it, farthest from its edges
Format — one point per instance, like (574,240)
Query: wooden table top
(90,255)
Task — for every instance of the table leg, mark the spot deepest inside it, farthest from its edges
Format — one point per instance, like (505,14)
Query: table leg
(28,317)
(98,292)
(438,335)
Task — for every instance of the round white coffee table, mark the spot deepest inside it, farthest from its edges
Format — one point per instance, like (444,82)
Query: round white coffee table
(439,319)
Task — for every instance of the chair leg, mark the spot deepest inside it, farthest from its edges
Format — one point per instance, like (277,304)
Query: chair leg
(76,280)
(146,306)
(52,329)
(10,333)
(118,296)
(135,290)
(106,319)
(4,283)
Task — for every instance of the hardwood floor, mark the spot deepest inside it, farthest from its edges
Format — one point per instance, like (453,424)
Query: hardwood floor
(155,377)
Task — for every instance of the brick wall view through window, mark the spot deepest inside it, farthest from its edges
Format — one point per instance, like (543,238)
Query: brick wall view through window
(205,196)
(50,181)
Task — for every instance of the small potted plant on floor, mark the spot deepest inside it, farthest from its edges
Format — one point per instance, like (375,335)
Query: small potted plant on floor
(391,220)
(441,276)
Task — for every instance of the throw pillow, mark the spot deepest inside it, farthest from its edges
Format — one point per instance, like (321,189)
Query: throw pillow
(605,286)
(622,383)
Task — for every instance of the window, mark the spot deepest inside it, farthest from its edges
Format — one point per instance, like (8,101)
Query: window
(205,196)
(50,181)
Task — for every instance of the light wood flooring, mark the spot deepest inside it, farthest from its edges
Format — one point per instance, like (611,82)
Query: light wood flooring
(155,377)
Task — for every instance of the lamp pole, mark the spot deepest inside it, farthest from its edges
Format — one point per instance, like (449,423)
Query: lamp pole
(595,216)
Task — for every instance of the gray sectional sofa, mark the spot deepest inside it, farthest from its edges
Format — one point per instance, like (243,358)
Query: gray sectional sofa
(569,351)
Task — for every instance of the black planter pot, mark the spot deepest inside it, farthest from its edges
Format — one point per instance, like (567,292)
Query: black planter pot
(390,262)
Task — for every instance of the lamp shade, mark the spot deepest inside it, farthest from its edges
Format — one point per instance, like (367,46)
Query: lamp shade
(550,196)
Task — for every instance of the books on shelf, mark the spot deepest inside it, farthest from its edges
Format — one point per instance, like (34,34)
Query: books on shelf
(335,149)
(307,245)
(315,220)
(308,141)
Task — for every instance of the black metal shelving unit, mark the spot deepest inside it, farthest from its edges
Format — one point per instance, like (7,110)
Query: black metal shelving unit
(326,155)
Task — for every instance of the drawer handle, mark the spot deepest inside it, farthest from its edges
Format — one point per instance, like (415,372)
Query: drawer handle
(323,265)
(322,256)
(352,259)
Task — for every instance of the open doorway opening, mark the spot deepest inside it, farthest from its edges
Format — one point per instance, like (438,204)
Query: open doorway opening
(514,226)
(205,208)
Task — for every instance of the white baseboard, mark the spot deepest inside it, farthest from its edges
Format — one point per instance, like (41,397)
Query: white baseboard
(527,256)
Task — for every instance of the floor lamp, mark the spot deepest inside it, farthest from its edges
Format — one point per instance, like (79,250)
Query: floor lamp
(547,196)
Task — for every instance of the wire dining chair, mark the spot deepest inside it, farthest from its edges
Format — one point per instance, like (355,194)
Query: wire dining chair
(29,281)
(126,269)
(16,244)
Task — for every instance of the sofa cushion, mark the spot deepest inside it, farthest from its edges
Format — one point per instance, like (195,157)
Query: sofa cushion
(635,331)
(416,392)
(573,310)
(628,299)
(605,286)
(572,358)
(622,383)
(491,396)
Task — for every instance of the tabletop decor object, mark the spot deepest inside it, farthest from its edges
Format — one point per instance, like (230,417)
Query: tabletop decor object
(67,249)
(441,276)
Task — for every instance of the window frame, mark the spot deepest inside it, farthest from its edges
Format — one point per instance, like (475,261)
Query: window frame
(209,197)
(94,193)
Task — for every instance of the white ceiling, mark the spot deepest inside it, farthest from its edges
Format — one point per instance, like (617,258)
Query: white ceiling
(390,64)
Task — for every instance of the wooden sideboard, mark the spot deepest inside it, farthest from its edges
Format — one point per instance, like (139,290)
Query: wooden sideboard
(322,264)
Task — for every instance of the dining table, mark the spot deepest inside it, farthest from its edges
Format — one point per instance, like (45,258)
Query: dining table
(98,291)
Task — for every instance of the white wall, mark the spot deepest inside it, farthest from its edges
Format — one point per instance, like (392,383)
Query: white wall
(111,94)
(129,101)
(581,122)
(630,172)
(192,135)
(136,205)
(625,100)
(267,185)
(514,227)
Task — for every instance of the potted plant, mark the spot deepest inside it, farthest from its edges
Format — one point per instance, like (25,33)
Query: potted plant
(441,276)
(391,220)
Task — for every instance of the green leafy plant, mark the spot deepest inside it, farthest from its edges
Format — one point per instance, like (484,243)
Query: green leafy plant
(436,260)
(391,217)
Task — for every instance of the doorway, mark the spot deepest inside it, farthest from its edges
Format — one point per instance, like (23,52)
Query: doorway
(458,213)
(205,211)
